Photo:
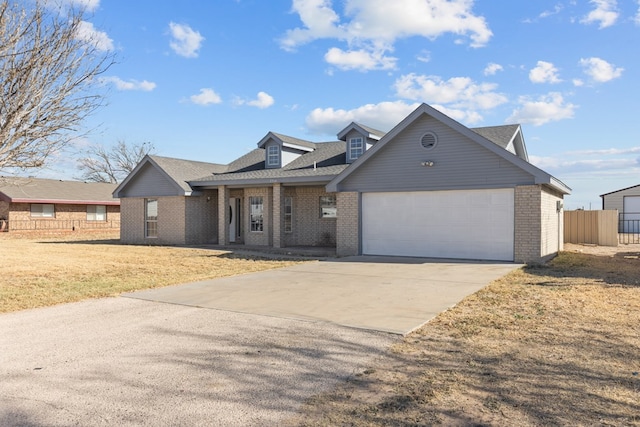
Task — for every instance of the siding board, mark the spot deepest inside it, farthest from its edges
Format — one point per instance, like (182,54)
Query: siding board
(150,182)
(459,163)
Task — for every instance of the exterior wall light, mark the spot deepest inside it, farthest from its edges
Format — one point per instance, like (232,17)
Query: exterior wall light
(427,163)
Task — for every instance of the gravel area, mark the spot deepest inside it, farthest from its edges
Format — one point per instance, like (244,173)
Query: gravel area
(120,361)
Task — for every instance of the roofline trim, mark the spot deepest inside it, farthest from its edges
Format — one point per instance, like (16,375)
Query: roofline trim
(622,189)
(320,179)
(67,202)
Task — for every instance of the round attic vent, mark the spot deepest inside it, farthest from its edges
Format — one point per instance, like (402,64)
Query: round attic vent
(429,140)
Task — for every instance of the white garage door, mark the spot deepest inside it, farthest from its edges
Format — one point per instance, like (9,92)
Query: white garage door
(631,208)
(475,224)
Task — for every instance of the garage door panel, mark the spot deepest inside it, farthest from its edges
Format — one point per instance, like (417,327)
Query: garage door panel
(476,224)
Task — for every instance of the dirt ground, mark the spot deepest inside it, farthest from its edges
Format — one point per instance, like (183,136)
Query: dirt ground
(550,345)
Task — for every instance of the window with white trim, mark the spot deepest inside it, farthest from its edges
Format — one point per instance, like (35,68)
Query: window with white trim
(288,214)
(42,210)
(328,207)
(256,213)
(356,148)
(151,218)
(96,213)
(273,155)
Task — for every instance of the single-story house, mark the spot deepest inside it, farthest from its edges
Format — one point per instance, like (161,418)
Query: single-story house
(430,187)
(51,204)
(627,202)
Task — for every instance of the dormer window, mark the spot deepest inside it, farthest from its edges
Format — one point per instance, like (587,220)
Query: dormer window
(356,147)
(273,155)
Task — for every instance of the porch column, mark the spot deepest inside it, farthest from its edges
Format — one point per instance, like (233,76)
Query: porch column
(278,200)
(223,215)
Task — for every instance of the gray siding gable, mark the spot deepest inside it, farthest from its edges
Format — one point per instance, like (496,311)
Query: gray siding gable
(458,163)
(149,181)
(382,163)
(164,176)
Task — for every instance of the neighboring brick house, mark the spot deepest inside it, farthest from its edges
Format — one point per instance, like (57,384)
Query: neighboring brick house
(430,187)
(28,204)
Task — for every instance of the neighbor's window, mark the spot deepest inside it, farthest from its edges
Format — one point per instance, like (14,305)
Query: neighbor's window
(256,213)
(356,148)
(328,207)
(273,155)
(288,214)
(96,213)
(39,210)
(151,218)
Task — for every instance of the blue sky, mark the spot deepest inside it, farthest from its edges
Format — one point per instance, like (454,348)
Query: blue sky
(206,80)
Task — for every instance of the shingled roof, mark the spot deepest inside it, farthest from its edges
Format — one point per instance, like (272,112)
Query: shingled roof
(500,135)
(322,164)
(39,190)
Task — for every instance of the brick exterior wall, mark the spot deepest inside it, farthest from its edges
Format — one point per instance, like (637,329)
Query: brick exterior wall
(223,215)
(552,239)
(202,218)
(278,219)
(67,217)
(527,223)
(308,228)
(538,224)
(132,220)
(347,227)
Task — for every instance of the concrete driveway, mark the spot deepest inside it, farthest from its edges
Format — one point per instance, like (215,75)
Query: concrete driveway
(389,294)
(276,340)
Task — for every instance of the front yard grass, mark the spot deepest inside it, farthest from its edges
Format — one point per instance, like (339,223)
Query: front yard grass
(46,271)
(552,345)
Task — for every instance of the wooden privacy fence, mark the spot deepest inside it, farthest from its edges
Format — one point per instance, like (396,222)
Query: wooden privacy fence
(592,227)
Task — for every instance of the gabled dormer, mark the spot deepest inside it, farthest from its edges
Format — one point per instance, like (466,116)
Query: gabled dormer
(359,138)
(280,150)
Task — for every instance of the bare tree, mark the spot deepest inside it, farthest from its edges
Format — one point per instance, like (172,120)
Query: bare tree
(114,164)
(48,78)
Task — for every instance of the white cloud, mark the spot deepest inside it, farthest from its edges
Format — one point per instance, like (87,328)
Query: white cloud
(207,96)
(492,68)
(424,56)
(382,116)
(605,13)
(636,19)
(459,92)
(547,108)
(557,9)
(264,100)
(600,70)
(87,32)
(360,60)
(544,72)
(120,84)
(185,41)
(373,26)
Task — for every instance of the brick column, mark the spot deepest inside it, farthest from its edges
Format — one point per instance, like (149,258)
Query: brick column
(278,224)
(223,215)
(348,224)
(528,227)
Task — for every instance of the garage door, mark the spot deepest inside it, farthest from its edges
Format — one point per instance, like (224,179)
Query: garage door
(631,209)
(477,224)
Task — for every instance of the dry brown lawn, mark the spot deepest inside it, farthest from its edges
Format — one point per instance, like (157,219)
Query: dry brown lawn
(551,345)
(48,270)
(555,344)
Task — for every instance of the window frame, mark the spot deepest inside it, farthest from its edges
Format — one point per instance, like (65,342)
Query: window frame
(288,214)
(40,211)
(357,149)
(256,214)
(328,207)
(273,156)
(150,222)
(95,215)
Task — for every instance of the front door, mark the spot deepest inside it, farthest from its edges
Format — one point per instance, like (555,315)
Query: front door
(234,219)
